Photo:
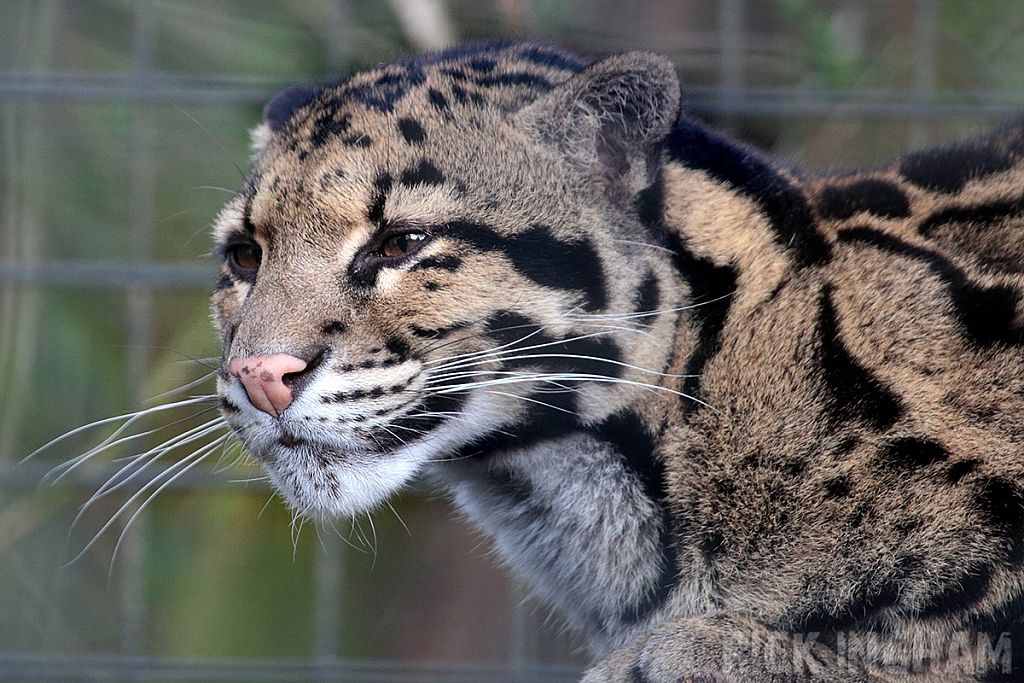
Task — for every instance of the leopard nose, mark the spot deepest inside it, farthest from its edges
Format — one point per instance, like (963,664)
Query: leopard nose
(264,379)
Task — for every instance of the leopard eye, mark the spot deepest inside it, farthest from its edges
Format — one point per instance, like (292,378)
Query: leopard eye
(244,258)
(401,244)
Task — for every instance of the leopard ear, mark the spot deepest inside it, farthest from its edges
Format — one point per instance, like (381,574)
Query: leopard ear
(285,103)
(277,112)
(611,118)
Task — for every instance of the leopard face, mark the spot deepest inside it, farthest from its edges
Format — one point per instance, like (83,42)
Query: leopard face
(433,262)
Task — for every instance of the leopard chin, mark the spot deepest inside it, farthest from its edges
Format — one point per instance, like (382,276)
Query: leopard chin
(324,485)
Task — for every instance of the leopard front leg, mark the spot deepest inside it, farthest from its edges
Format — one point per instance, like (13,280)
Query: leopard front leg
(732,648)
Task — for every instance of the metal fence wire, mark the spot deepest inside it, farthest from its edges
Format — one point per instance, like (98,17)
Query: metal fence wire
(114,112)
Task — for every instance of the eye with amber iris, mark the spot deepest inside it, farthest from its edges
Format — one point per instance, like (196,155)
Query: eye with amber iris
(401,244)
(244,258)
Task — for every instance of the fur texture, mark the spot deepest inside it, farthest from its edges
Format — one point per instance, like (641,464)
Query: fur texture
(736,421)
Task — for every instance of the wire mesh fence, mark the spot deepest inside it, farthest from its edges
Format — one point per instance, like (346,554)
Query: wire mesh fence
(123,129)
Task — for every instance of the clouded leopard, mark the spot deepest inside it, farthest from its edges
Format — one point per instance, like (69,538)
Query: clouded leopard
(736,421)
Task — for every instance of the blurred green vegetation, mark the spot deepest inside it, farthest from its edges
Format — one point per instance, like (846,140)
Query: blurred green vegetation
(91,175)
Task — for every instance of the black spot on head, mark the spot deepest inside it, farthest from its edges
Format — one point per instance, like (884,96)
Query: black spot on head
(334,327)
(455,74)
(960,469)
(389,88)
(550,56)
(436,332)
(538,255)
(327,126)
(381,189)
(913,453)
(949,169)
(424,174)
(837,487)
(514,79)
(851,391)
(398,348)
(224,282)
(437,99)
(987,314)
(283,105)
(463,96)
(783,204)
(482,64)
(877,197)
(411,130)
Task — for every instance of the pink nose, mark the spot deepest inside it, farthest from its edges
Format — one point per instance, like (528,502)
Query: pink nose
(263,379)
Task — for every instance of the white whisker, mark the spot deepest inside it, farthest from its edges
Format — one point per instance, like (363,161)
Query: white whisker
(131,418)
(533,400)
(194,383)
(151,456)
(172,473)
(114,441)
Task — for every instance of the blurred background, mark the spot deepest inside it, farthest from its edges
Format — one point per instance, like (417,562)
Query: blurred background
(123,128)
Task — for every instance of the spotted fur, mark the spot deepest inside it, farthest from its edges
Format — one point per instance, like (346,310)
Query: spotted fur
(736,421)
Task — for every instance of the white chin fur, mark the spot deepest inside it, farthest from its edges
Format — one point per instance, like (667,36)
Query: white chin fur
(337,486)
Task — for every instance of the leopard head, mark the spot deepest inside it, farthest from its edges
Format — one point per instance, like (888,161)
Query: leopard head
(442,250)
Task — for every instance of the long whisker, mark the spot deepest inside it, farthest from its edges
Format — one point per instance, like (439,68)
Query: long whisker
(518,378)
(533,400)
(566,356)
(173,473)
(150,457)
(196,457)
(186,387)
(116,440)
(130,417)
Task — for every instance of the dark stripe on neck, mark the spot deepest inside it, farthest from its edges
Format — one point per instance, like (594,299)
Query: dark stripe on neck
(786,208)
(711,290)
